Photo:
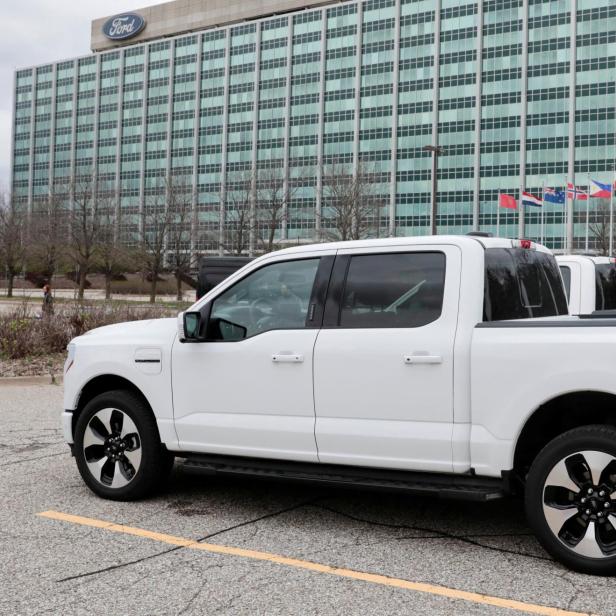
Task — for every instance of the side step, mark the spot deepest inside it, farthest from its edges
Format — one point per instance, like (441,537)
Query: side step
(462,487)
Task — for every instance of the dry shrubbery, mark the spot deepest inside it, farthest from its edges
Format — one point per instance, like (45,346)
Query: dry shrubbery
(22,335)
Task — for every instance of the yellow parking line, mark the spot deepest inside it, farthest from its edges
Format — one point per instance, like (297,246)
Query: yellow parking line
(373,578)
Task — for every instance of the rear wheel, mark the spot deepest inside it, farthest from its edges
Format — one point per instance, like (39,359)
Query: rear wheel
(571,499)
(118,449)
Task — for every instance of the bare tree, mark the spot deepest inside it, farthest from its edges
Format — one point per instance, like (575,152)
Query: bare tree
(153,237)
(351,207)
(12,244)
(273,197)
(600,228)
(112,255)
(239,223)
(48,233)
(89,200)
(179,201)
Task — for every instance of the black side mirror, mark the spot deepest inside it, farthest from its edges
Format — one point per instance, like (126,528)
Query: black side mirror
(190,327)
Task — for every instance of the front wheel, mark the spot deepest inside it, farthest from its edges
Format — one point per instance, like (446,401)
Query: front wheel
(117,447)
(571,499)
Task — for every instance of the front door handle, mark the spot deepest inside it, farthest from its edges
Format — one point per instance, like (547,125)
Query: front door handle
(287,358)
(423,359)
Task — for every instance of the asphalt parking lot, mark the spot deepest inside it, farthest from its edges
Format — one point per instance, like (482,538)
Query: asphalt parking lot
(208,546)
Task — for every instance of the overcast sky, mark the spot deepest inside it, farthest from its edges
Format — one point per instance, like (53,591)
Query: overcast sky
(39,31)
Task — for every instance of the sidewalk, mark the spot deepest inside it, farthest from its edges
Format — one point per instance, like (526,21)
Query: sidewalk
(95,294)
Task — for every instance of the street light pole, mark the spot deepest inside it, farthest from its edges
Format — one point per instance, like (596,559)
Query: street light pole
(436,150)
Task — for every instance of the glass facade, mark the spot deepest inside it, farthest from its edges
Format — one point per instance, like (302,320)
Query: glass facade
(520,94)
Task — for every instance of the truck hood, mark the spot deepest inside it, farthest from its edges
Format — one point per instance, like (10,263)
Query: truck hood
(148,331)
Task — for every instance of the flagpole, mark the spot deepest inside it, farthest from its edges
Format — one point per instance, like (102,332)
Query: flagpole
(612,214)
(565,216)
(542,206)
(498,218)
(587,213)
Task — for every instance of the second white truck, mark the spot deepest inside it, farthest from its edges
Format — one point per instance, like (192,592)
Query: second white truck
(590,282)
(439,365)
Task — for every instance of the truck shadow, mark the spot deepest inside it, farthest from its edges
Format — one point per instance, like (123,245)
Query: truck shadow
(345,514)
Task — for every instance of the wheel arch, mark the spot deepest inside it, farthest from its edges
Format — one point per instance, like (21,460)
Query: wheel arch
(101,384)
(555,416)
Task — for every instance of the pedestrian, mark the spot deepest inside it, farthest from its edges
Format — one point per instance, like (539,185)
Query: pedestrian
(47,301)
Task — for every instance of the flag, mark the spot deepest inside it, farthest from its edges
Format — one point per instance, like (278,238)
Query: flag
(553,195)
(575,193)
(528,199)
(508,202)
(602,191)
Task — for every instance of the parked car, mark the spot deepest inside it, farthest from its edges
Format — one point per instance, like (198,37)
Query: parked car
(436,365)
(590,282)
(213,270)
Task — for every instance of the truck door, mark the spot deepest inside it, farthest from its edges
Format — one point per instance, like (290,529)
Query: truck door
(248,390)
(383,375)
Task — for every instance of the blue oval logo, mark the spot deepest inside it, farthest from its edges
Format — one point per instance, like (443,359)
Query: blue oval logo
(122,27)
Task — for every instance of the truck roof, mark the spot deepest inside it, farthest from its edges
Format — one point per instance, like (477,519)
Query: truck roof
(586,259)
(423,240)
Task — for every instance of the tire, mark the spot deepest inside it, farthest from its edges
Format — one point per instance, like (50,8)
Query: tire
(117,447)
(571,499)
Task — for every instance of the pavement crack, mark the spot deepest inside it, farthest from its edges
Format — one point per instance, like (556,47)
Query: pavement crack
(51,455)
(181,547)
(439,534)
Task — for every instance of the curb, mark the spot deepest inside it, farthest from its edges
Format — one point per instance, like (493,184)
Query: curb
(8,381)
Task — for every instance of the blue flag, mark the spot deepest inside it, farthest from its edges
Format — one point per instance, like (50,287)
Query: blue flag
(553,195)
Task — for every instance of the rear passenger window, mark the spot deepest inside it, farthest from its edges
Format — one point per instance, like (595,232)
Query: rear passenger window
(522,284)
(393,290)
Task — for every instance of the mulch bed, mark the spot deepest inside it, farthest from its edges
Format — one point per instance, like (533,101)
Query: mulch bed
(42,365)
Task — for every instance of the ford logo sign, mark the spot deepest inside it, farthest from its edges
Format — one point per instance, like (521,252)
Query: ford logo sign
(122,27)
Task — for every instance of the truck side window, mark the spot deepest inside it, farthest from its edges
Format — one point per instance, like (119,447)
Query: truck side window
(521,284)
(565,272)
(605,287)
(393,290)
(276,296)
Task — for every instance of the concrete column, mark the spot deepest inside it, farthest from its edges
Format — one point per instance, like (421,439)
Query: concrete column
(144,130)
(319,199)
(52,134)
(523,119)
(255,137)
(394,125)
(32,131)
(169,168)
(435,88)
(225,135)
(358,65)
(97,113)
(118,173)
(286,191)
(478,93)
(572,110)
(74,132)
(194,218)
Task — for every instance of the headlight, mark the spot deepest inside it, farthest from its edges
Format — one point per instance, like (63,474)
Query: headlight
(70,357)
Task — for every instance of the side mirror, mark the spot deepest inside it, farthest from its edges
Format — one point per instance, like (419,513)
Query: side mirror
(189,326)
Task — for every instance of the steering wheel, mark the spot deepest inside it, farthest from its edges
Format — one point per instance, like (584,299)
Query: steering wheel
(260,309)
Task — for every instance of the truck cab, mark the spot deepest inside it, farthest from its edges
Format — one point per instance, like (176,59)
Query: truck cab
(590,282)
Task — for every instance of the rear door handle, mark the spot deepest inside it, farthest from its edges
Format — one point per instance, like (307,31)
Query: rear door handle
(287,358)
(423,359)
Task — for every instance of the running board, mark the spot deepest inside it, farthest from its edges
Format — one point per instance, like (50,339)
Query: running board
(461,487)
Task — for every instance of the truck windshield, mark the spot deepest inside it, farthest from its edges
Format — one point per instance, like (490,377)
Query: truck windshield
(605,285)
(521,284)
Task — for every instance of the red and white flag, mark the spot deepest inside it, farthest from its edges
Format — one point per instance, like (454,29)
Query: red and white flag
(575,193)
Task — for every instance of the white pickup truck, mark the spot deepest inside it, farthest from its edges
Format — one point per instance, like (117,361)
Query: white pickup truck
(590,282)
(439,365)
